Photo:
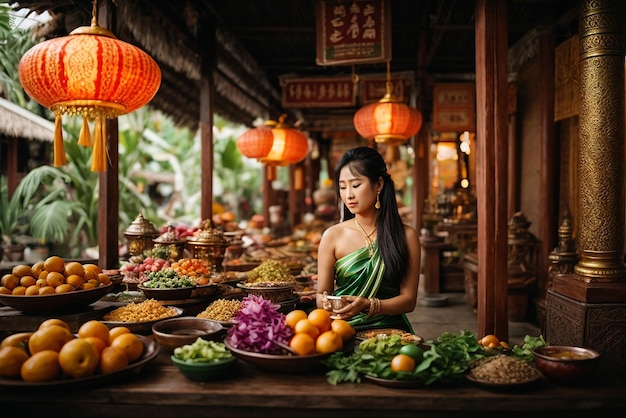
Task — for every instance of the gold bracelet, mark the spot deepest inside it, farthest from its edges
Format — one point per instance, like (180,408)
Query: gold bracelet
(374,307)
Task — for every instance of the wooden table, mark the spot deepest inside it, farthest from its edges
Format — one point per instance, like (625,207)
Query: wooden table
(159,390)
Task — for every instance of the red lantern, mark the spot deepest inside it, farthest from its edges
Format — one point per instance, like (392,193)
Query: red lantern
(388,121)
(290,145)
(92,74)
(256,143)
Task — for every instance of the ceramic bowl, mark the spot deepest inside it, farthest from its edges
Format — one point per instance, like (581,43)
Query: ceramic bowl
(566,364)
(206,371)
(184,330)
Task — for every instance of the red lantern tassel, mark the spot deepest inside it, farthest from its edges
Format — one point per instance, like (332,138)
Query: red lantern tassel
(58,146)
(84,138)
(98,158)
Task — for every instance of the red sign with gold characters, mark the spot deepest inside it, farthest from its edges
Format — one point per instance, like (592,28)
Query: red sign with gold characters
(318,92)
(353,31)
(453,109)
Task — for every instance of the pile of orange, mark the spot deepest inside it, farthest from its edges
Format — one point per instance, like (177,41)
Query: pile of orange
(317,332)
(491,341)
(52,352)
(194,268)
(53,275)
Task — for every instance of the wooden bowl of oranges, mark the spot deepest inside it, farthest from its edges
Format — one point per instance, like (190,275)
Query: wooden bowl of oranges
(53,285)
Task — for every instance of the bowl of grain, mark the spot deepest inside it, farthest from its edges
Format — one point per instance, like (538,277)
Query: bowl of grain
(222,311)
(139,317)
(502,371)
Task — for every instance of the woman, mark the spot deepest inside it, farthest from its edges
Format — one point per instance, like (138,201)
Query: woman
(370,258)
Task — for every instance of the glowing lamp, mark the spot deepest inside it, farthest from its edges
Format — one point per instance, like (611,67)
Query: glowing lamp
(388,121)
(256,142)
(89,73)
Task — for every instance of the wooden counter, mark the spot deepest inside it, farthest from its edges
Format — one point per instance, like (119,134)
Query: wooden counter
(159,390)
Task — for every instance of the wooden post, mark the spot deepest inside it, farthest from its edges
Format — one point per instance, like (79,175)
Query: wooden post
(207,100)
(492,155)
(108,184)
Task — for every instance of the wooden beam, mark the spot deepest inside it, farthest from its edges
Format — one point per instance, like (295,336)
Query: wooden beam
(492,154)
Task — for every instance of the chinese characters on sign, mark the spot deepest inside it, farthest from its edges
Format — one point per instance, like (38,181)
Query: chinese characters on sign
(318,92)
(453,110)
(353,31)
(374,88)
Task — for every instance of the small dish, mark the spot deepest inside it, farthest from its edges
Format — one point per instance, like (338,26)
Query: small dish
(566,364)
(206,371)
(176,332)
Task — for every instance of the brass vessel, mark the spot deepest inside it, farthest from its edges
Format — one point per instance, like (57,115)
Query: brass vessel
(140,235)
(209,244)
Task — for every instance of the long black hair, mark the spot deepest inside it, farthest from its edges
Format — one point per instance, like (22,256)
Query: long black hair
(369,163)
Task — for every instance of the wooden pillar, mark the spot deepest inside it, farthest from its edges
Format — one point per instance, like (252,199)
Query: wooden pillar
(492,155)
(207,99)
(12,156)
(108,184)
(109,202)
(548,159)
(513,192)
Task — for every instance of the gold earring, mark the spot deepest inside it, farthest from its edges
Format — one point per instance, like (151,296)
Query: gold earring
(377,205)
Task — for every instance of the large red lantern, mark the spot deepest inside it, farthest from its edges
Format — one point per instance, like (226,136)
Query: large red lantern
(256,142)
(388,121)
(92,74)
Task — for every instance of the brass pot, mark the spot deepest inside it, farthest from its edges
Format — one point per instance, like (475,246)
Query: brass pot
(209,245)
(140,235)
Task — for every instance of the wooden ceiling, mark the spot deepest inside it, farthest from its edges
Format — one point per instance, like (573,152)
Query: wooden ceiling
(261,41)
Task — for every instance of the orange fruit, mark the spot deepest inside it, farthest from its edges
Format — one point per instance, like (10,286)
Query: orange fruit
(112,359)
(98,344)
(54,278)
(46,290)
(402,363)
(4,291)
(43,275)
(54,263)
(104,279)
(328,342)
(19,290)
(131,344)
(117,331)
(41,367)
(79,358)
(42,282)
(64,288)
(22,270)
(75,280)
(489,341)
(37,268)
(54,321)
(343,328)
(32,290)
(19,340)
(90,275)
(10,281)
(88,286)
(51,337)
(93,268)
(27,281)
(73,267)
(11,360)
(95,328)
(292,318)
(321,319)
(303,344)
(305,326)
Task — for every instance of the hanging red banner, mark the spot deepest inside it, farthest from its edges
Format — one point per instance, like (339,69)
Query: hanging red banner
(353,31)
(318,92)
(373,88)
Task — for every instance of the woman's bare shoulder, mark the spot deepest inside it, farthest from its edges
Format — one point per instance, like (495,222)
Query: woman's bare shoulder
(335,231)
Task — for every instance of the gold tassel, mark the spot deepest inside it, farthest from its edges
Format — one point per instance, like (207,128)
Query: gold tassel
(98,158)
(59,147)
(84,138)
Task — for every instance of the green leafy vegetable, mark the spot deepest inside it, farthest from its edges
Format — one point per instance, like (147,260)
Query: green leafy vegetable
(525,352)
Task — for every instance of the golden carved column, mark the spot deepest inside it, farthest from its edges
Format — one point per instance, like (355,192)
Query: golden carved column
(601,159)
